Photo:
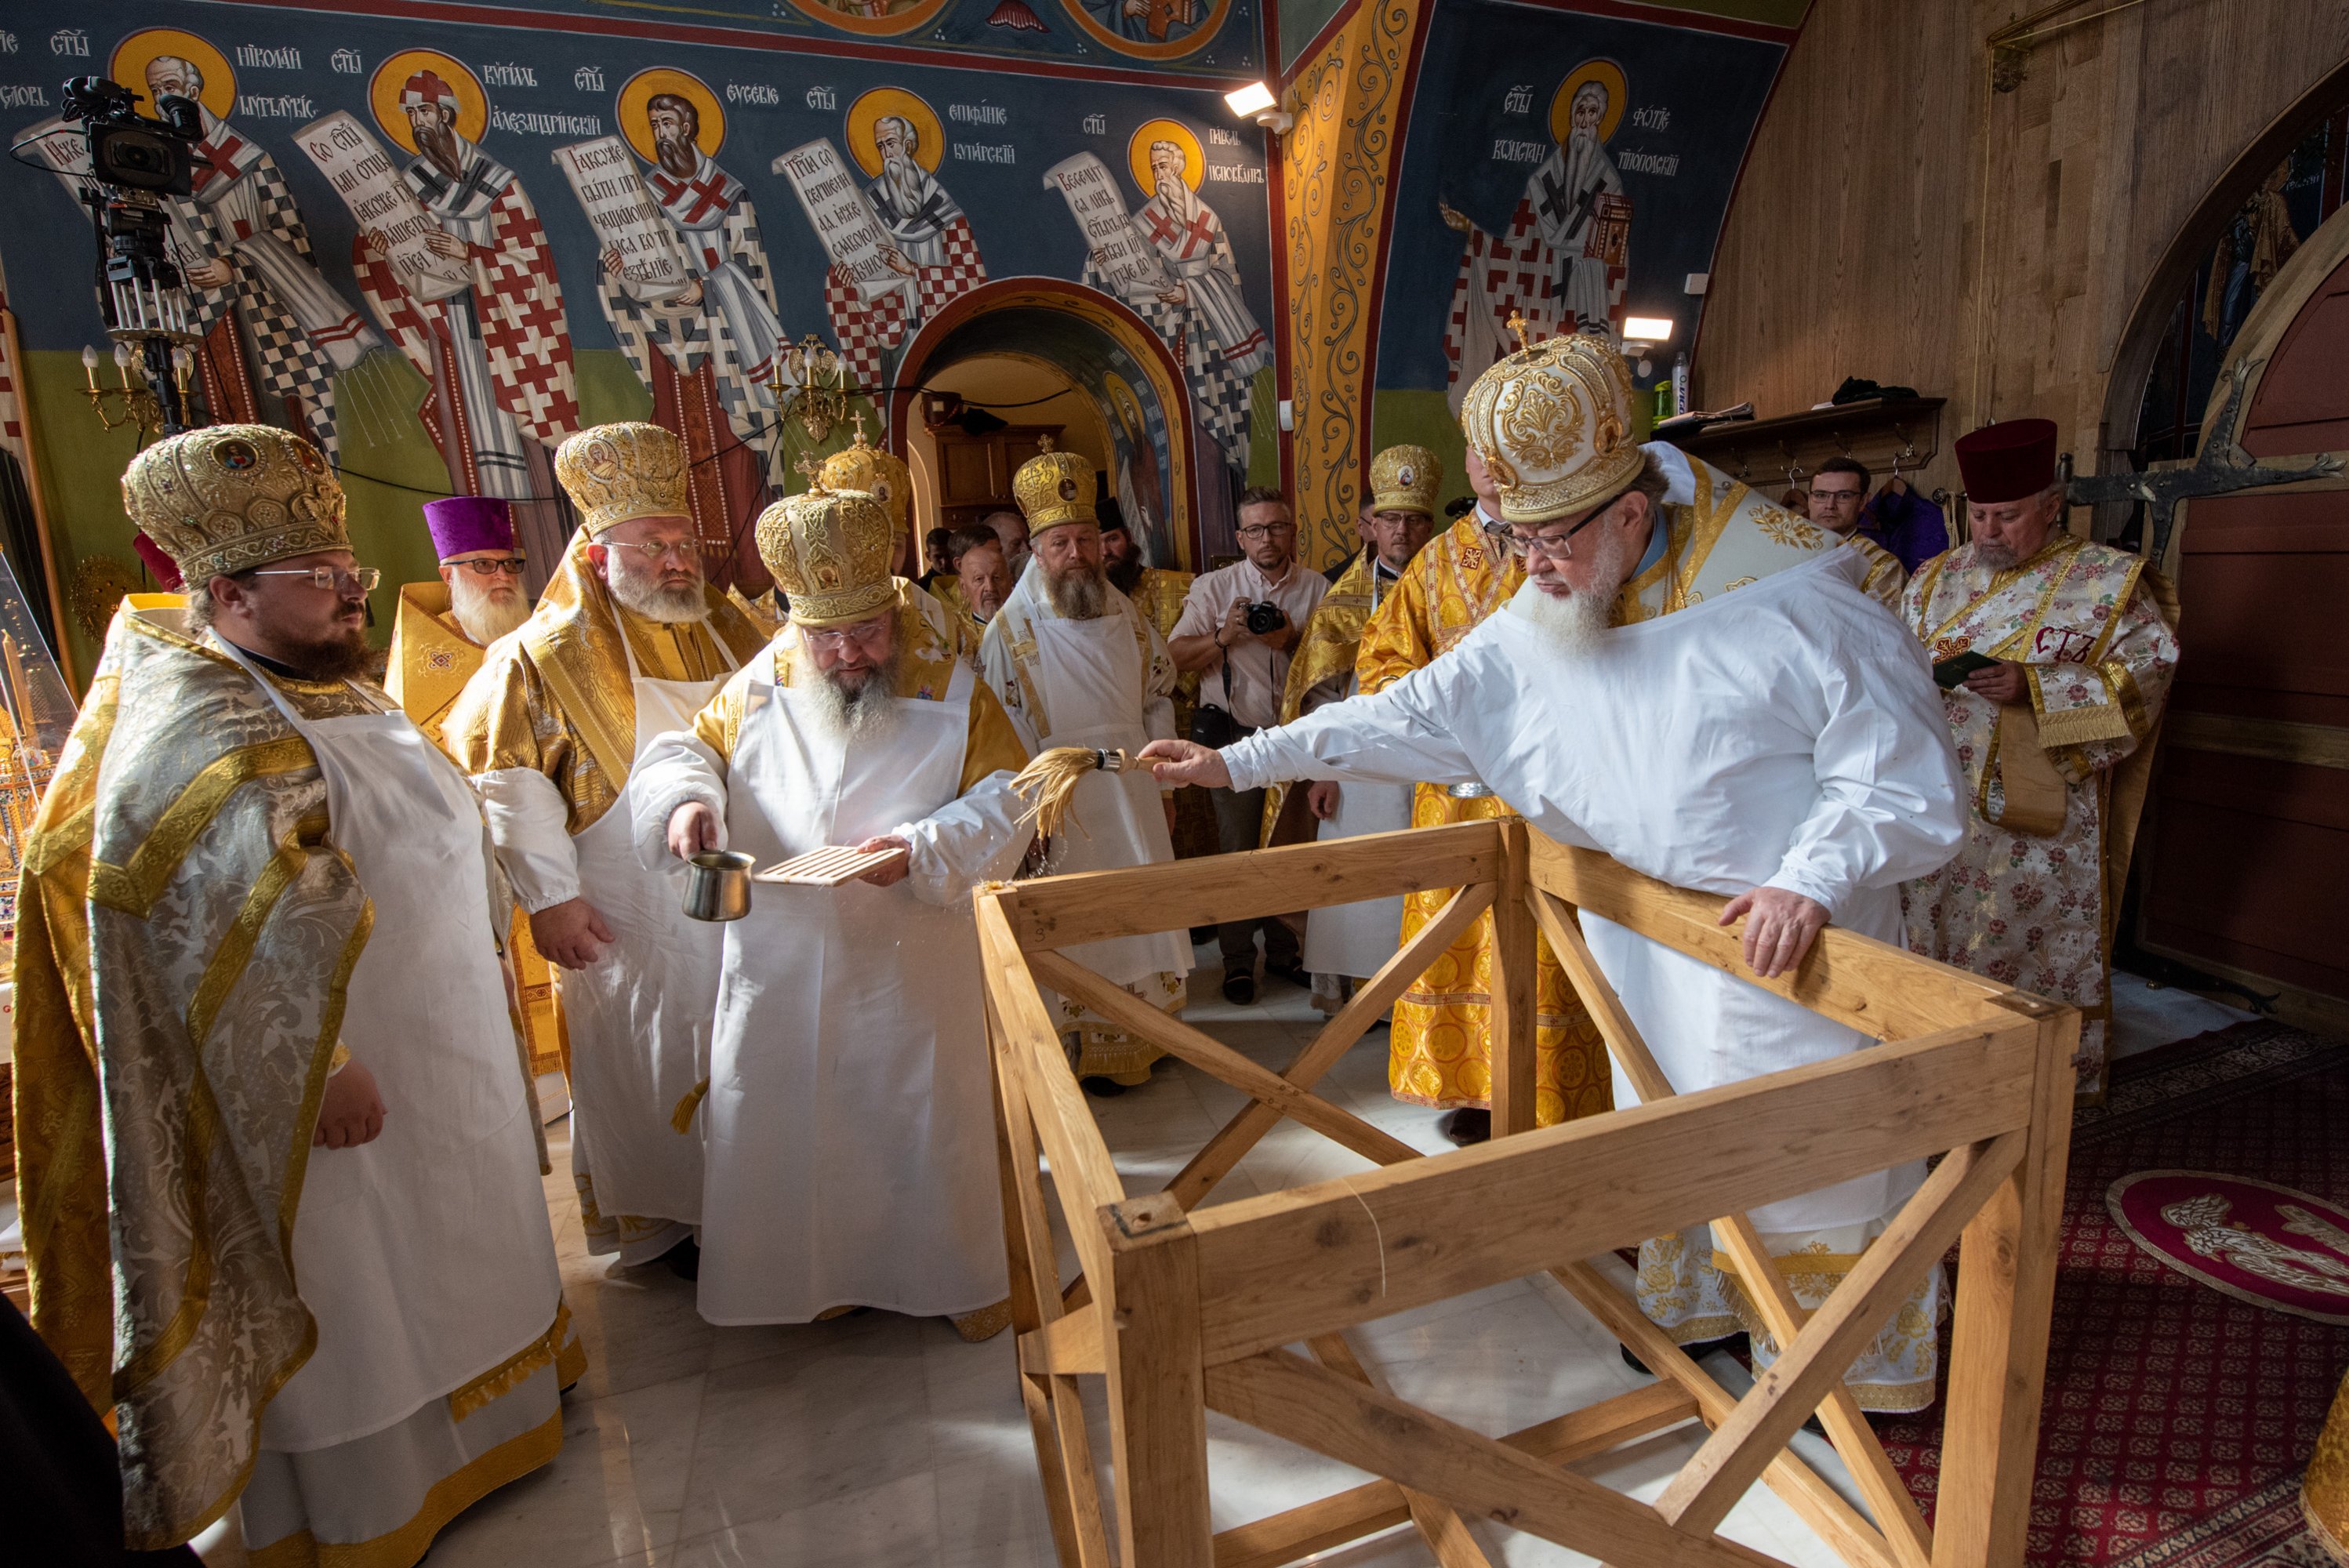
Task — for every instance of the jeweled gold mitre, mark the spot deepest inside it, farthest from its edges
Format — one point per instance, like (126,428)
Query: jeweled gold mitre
(615,473)
(230,498)
(1405,479)
(1055,489)
(883,475)
(829,552)
(1553,424)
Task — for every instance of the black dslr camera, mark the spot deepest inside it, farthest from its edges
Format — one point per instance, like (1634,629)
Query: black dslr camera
(1264,615)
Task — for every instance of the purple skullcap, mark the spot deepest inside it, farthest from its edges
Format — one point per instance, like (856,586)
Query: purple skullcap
(462,524)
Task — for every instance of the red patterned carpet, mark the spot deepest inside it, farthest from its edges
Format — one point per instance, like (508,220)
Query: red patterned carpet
(2177,1418)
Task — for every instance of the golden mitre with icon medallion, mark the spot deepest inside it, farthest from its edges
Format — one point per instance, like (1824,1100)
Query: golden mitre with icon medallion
(618,472)
(1553,424)
(879,474)
(1406,478)
(828,551)
(229,497)
(1054,490)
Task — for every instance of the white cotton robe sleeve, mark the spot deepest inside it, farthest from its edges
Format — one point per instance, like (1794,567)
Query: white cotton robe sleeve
(974,838)
(530,825)
(1398,735)
(677,770)
(1890,802)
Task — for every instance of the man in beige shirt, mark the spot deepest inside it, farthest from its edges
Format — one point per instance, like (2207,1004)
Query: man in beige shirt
(1242,671)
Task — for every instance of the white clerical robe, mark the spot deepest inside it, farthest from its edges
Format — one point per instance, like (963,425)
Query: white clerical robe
(1785,733)
(1107,683)
(849,1124)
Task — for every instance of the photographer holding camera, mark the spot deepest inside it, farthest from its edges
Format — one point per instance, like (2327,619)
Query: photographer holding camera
(1239,626)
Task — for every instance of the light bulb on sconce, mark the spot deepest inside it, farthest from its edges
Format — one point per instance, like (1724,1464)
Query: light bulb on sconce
(1641,333)
(1258,102)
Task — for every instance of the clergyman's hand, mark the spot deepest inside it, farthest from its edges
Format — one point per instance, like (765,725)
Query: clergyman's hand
(2002,682)
(1321,800)
(351,1113)
(692,827)
(1780,931)
(1186,762)
(893,873)
(570,932)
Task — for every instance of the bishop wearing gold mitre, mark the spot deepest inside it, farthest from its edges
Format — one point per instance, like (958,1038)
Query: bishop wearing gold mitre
(1351,940)
(1440,1051)
(437,638)
(851,1146)
(279,1160)
(1074,664)
(2055,655)
(627,641)
(1692,681)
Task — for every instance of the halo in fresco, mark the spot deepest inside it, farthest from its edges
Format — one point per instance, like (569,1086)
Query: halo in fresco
(930,136)
(1607,75)
(635,119)
(874,18)
(1127,407)
(1158,20)
(383,94)
(135,53)
(1137,152)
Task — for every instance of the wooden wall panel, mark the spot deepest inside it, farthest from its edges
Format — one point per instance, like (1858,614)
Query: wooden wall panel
(1860,232)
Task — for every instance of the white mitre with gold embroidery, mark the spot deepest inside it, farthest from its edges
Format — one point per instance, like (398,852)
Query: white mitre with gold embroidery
(1554,424)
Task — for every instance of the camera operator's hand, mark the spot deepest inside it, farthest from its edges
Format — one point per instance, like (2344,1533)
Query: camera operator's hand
(210,273)
(1234,624)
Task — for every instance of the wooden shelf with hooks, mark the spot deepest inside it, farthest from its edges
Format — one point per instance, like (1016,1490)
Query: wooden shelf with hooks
(1789,448)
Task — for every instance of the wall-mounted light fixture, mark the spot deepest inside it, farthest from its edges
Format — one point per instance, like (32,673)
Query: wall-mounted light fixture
(1642,332)
(1257,101)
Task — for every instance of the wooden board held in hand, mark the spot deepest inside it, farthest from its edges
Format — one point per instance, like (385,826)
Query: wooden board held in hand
(835,865)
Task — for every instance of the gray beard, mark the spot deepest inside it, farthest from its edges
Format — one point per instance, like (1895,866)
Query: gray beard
(846,715)
(1079,594)
(904,177)
(655,603)
(1997,557)
(484,619)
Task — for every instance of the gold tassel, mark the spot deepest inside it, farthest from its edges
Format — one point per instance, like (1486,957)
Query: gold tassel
(1050,782)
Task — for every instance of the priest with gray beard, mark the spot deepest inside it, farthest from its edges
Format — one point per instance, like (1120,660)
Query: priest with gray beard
(1719,707)
(1076,664)
(849,1117)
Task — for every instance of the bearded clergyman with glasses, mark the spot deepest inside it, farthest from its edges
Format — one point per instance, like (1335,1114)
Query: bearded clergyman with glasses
(629,640)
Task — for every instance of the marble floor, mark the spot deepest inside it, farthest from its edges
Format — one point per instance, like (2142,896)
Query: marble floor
(877,1442)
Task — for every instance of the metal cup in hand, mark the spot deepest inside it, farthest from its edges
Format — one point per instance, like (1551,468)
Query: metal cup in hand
(718,885)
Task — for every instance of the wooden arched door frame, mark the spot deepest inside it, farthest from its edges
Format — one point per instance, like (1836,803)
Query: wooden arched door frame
(2149,326)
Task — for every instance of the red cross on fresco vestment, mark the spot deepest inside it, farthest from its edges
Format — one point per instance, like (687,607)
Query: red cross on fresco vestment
(710,195)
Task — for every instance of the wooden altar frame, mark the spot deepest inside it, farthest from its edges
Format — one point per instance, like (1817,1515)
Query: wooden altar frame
(1183,1310)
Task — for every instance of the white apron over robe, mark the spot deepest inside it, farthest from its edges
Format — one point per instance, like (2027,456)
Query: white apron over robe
(638,1019)
(425,1255)
(850,1120)
(1088,670)
(1786,732)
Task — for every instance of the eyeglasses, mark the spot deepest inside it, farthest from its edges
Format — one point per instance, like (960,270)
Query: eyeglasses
(1835,496)
(865,633)
(656,551)
(491,567)
(1266,530)
(331,577)
(1555,546)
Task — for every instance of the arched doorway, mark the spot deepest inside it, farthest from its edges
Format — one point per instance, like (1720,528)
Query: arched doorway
(1101,348)
(2247,840)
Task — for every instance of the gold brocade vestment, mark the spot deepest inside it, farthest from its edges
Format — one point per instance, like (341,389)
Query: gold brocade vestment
(1440,1052)
(2058,779)
(1159,596)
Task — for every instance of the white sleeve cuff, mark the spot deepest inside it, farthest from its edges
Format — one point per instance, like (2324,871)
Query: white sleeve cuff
(529,823)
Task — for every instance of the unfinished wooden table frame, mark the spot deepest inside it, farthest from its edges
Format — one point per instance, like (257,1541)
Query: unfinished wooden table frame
(1181,1310)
